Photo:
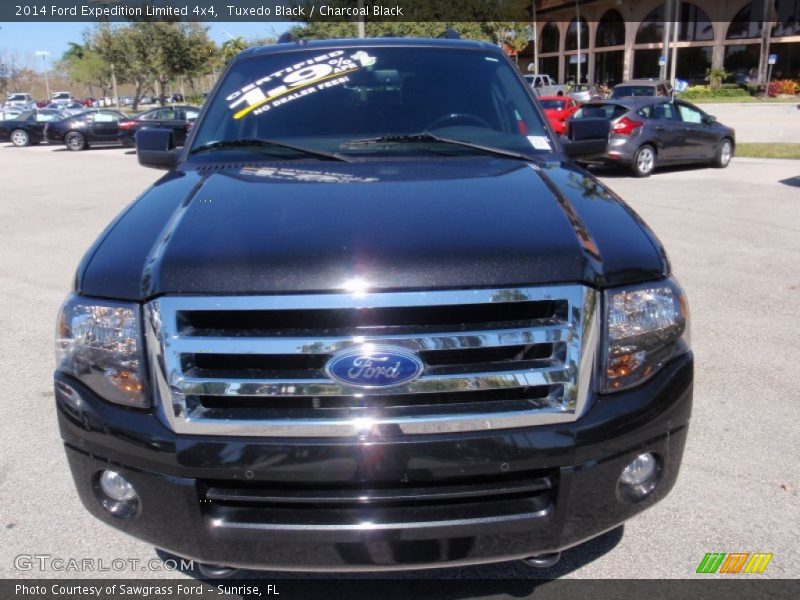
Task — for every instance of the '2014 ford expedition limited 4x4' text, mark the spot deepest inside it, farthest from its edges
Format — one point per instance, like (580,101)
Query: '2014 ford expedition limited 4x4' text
(373,317)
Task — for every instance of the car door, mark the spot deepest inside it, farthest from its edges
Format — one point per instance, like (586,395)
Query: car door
(666,130)
(104,126)
(701,138)
(187,115)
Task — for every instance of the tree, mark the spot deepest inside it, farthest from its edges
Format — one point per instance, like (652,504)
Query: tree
(232,47)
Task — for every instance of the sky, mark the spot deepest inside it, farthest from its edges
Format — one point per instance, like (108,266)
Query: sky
(23,40)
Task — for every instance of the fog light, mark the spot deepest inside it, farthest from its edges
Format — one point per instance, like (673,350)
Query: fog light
(639,477)
(116,487)
(116,494)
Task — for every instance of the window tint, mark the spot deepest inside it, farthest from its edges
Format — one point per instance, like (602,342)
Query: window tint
(690,115)
(103,117)
(166,114)
(602,111)
(659,111)
(622,91)
(41,117)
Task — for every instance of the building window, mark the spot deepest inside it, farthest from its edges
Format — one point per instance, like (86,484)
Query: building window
(788,65)
(741,61)
(548,65)
(550,38)
(693,64)
(651,31)
(608,67)
(788,18)
(572,35)
(610,30)
(747,22)
(694,26)
(645,63)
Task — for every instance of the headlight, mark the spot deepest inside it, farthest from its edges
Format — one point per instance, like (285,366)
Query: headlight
(645,326)
(99,342)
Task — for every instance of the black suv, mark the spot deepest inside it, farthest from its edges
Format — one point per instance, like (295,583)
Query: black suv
(373,317)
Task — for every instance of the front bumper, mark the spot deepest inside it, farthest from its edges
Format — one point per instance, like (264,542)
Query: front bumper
(176,476)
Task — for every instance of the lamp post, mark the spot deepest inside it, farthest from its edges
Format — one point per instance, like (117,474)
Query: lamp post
(44,54)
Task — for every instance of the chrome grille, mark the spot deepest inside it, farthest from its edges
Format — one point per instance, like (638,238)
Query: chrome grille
(254,365)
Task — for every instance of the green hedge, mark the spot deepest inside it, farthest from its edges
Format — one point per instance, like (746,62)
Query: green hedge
(697,92)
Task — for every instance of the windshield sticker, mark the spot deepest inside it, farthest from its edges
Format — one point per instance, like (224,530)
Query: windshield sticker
(295,81)
(540,142)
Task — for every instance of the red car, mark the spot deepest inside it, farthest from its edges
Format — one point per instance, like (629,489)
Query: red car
(558,109)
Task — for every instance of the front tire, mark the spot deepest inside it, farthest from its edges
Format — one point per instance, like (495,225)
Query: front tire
(724,153)
(644,161)
(20,138)
(75,141)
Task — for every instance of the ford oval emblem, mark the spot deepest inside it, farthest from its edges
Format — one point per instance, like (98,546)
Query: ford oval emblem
(374,366)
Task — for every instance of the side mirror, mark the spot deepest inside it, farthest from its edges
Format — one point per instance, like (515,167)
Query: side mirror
(708,119)
(155,148)
(586,138)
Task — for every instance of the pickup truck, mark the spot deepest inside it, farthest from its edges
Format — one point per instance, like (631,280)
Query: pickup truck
(542,85)
(373,317)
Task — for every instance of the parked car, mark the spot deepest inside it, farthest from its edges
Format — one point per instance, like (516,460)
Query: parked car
(176,118)
(584,92)
(126,100)
(371,327)
(20,100)
(542,85)
(558,109)
(10,113)
(92,127)
(641,87)
(651,132)
(104,102)
(27,129)
(61,98)
(71,107)
(88,102)
(175,98)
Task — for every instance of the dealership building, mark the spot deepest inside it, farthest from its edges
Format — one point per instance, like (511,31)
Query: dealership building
(609,41)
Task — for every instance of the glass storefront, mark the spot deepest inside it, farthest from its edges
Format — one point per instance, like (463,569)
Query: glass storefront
(608,67)
(788,64)
(693,64)
(548,65)
(741,61)
(645,63)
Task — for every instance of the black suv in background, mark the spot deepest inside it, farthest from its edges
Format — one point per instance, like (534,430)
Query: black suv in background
(373,317)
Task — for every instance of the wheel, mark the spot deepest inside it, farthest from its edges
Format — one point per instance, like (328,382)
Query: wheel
(20,138)
(75,141)
(724,153)
(457,117)
(644,161)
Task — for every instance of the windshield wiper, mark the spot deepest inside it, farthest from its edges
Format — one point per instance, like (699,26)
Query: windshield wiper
(256,143)
(426,137)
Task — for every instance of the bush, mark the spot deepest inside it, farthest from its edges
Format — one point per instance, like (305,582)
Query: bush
(700,92)
(783,86)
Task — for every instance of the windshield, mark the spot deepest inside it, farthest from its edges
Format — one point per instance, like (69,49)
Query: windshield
(600,111)
(322,99)
(624,91)
(17,97)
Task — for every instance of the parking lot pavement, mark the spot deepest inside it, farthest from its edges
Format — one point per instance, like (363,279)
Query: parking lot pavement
(760,123)
(734,240)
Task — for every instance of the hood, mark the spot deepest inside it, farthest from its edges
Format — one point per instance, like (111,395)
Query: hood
(316,226)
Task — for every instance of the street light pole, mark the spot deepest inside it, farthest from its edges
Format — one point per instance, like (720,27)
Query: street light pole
(44,54)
